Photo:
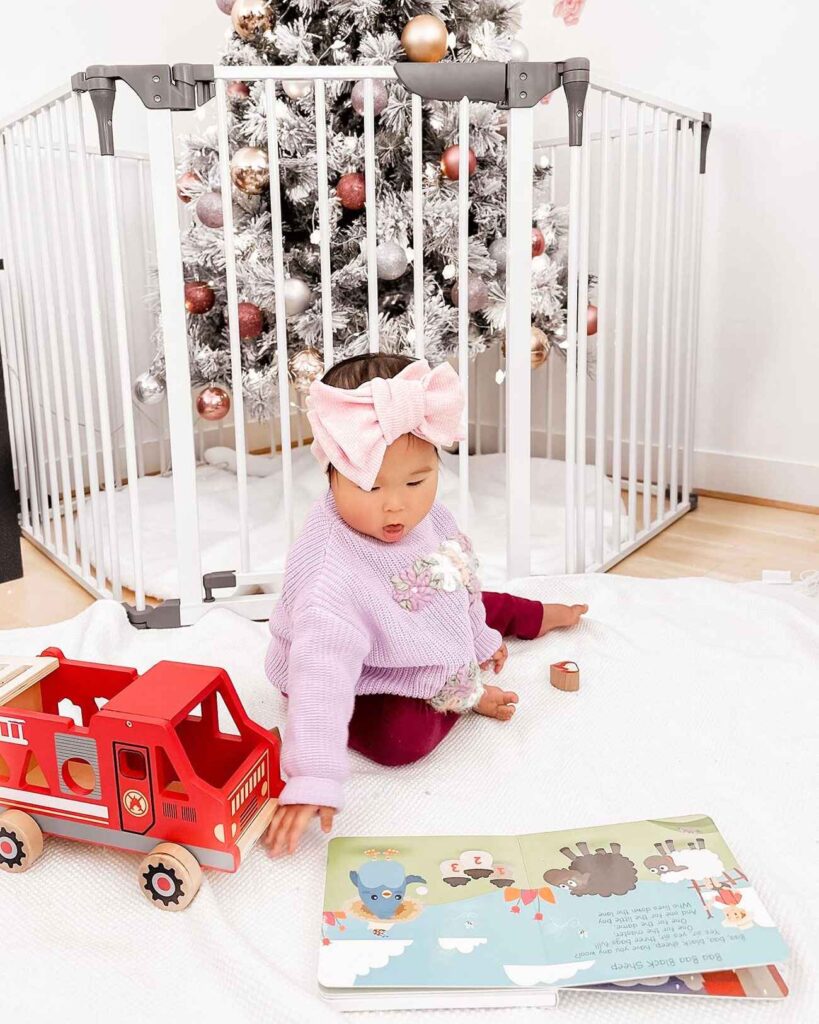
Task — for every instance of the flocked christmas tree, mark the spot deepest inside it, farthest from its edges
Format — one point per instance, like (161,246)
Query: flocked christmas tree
(339,32)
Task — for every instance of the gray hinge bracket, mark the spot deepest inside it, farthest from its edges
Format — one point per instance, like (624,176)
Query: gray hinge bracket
(224,579)
(162,616)
(508,85)
(706,135)
(160,87)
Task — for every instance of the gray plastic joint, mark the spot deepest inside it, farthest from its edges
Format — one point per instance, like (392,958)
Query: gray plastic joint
(575,77)
(706,135)
(220,580)
(527,83)
(164,616)
(160,87)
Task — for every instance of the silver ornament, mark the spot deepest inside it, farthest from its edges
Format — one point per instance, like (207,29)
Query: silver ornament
(518,51)
(249,170)
(390,260)
(149,389)
(297,89)
(497,250)
(298,296)
(209,209)
(478,293)
(305,367)
(379,97)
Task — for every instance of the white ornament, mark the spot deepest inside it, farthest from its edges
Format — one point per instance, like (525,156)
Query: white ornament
(315,238)
(518,51)
(448,272)
(297,89)
(410,253)
(391,261)
(451,40)
(500,376)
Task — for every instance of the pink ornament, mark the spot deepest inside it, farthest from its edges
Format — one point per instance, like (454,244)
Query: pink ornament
(238,91)
(591,320)
(451,162)
(568,10)
(213,403)
(538,242)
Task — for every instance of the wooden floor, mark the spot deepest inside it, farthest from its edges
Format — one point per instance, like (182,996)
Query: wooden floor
(725,540)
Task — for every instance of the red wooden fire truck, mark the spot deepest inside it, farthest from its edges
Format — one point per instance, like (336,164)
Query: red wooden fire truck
(166,764)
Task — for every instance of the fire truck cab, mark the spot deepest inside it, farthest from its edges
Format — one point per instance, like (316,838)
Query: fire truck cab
(166,764)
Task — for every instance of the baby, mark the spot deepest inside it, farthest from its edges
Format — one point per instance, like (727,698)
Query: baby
(381,631)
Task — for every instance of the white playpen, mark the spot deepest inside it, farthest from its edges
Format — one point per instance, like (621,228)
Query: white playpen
(568,468)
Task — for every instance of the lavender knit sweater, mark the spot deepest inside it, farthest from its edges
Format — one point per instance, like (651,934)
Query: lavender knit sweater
(358,615)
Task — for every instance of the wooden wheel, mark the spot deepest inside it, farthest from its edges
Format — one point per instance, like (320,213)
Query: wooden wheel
(21,841)
(170,877)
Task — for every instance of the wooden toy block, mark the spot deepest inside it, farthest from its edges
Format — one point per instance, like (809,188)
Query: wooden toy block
(166,764)
(565,675)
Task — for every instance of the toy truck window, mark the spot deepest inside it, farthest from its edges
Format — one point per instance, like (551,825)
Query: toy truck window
(132,765)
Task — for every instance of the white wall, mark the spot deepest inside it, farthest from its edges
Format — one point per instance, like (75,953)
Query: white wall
(753,66)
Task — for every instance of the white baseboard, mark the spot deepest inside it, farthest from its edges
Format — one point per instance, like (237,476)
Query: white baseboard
(749,475)
(775,479)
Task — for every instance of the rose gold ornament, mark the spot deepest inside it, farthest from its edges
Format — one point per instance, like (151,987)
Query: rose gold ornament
(451,162)
(251,18)
(213,403)
(186,182)
(199,296)
(249,170)
(305,367)
(540,347)
(351,191)
(251,321)
(538,242)
(591,320)
(424,39)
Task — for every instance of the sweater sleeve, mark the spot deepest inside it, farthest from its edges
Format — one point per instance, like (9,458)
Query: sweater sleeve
(324,664)
(487,640)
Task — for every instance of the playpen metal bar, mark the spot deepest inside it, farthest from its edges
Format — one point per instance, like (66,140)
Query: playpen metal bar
(652,321)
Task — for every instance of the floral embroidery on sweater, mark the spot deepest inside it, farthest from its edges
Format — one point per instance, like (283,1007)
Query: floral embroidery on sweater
(462,690)
(451,567)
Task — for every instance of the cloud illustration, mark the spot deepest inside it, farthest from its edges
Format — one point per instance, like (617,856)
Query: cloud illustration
(341,963)
(467,945)
(544,974)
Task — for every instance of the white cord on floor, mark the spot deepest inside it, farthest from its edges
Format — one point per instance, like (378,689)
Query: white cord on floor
(809,582)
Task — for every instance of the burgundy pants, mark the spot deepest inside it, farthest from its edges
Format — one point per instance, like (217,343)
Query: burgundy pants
(395,730)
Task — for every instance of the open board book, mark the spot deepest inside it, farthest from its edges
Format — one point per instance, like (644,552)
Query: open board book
(443,921)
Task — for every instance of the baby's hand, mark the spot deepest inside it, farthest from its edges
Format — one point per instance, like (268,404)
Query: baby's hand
(290,822)
(498,659)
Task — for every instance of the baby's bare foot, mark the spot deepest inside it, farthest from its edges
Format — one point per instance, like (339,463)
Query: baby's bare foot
(497,703)
(557,616)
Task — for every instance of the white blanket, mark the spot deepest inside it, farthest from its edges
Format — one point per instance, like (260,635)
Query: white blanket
(219,518)
(696,697)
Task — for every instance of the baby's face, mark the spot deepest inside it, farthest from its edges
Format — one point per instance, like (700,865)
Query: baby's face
(402,495)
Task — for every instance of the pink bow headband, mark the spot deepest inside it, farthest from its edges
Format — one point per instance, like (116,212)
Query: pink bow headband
(352,429)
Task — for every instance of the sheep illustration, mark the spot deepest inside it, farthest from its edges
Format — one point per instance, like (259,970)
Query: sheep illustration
(696,865)
(601,873)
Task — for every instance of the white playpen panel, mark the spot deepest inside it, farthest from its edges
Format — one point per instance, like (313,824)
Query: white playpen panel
(81,233)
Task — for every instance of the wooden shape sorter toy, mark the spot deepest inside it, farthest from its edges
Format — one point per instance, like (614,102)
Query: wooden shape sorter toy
(565,675)
(165,764)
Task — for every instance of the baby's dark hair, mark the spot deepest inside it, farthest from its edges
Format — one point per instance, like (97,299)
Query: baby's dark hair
(357,370)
